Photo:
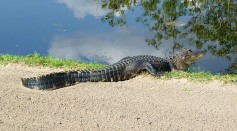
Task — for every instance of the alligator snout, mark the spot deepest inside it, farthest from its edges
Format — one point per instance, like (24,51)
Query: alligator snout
(200,53)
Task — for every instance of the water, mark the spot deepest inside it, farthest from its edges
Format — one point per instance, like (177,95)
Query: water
(106,31)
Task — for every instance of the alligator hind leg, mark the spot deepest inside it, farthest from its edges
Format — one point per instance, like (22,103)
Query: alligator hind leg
(151,69)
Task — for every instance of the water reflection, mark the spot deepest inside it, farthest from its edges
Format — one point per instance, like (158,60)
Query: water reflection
(104,47)
(107,30)
(110,47)
(82,8)
(209,24)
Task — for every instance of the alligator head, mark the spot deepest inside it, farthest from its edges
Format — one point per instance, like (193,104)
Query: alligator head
(184,58)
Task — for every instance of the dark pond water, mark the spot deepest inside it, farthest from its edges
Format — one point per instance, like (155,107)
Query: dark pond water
(107,30)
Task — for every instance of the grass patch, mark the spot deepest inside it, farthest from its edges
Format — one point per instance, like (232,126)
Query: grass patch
(201,76)
(49,61)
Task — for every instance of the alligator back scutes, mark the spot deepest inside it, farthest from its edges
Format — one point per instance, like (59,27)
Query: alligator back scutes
(148,58)
(141,57)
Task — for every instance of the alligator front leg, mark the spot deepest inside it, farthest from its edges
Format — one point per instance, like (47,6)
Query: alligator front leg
(151,69)
(136,67)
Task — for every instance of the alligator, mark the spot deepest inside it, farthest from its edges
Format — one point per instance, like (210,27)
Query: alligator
(126,68)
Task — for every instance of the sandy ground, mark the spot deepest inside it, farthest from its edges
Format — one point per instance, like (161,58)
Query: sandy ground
(143,103)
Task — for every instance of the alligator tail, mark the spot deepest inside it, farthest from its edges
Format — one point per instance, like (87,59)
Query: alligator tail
(63,79)
(56,80)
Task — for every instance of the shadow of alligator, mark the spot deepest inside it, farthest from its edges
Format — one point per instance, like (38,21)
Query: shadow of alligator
(124,69)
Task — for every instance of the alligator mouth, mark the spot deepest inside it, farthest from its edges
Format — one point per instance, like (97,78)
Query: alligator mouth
(200,53)
(196,55)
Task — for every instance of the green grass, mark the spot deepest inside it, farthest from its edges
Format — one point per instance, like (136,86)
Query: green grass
(201,76)
(49,61)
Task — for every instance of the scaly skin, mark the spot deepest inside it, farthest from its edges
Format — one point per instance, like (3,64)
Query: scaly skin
(125,69)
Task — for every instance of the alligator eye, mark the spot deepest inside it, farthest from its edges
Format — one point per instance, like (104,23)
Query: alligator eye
(189,51)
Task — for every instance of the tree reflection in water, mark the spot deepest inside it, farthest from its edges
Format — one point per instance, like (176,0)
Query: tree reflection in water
(201,23)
